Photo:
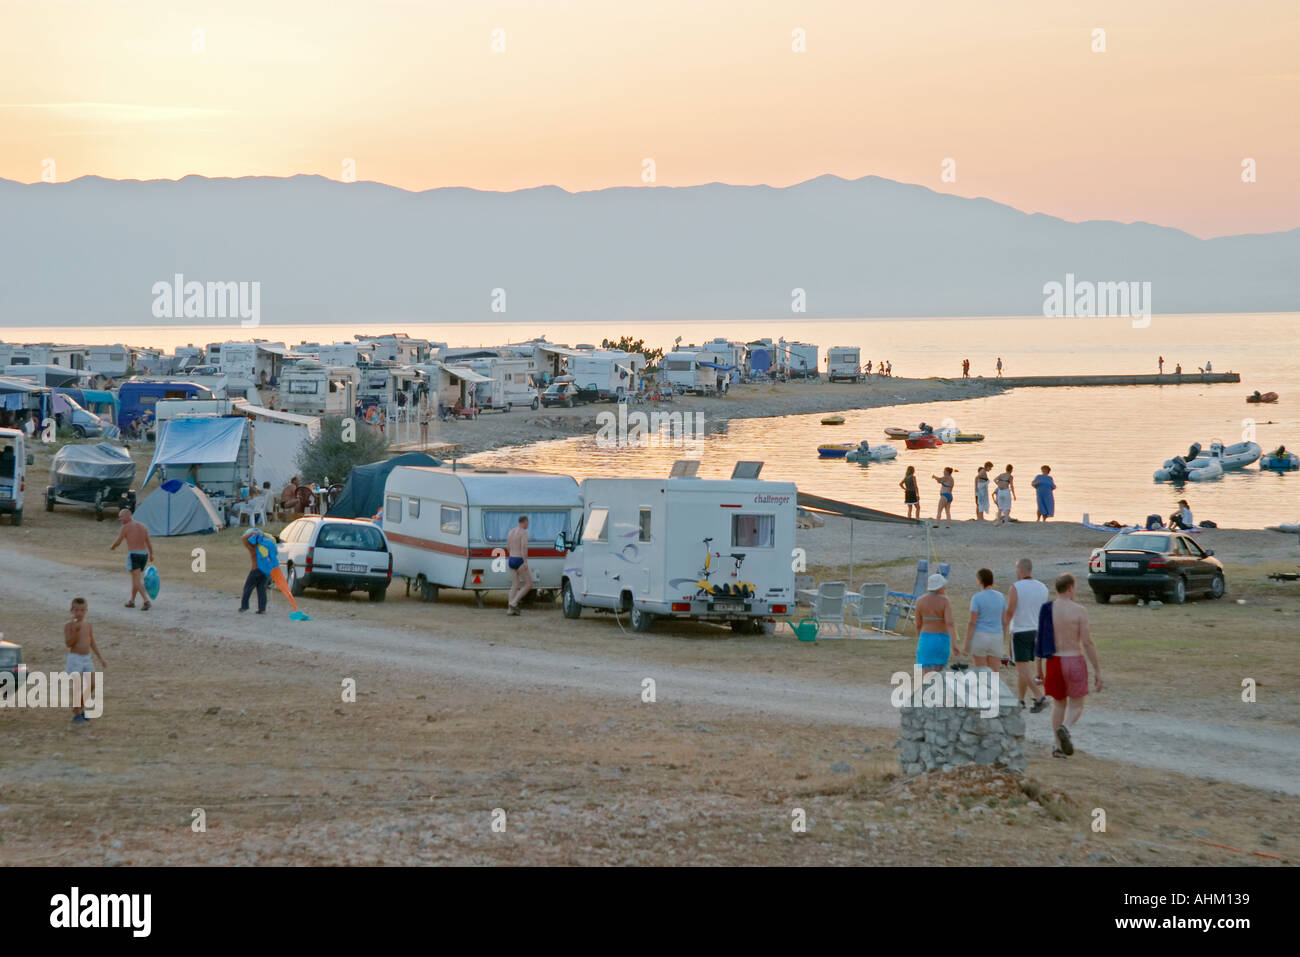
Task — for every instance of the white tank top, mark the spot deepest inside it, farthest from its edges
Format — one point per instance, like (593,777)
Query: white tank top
(1030,596)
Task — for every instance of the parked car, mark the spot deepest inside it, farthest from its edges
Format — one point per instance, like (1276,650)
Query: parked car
(11,663)
(84,425)
(570,394)
(1169,565)
(339,554)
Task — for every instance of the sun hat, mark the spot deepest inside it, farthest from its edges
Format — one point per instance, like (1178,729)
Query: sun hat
(935,582)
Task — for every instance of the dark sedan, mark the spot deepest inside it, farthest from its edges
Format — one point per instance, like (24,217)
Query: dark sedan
(1167,565)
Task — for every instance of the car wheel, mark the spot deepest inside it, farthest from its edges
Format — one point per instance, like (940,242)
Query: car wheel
(49,500)
(379,594)
(535,404)
(1103,597)
(1177,593)
(296,587)
(569,602)
(78,432)
(746,626)
(641,621)
(18,516)
(428,590)
(1217,587)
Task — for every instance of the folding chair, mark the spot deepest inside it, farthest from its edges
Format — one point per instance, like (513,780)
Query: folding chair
(828,606)
(869,609)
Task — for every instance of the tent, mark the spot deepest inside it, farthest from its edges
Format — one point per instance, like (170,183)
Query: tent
(177,508)
(363,495)
(214,442)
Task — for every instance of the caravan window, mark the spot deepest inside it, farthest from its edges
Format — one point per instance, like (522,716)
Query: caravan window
(413,507)
(753,531)
(595,531)
(302,386)
(449,521)
(543,526)
(393,510)
(645,526)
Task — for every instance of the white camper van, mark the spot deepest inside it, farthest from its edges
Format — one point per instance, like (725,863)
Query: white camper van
(447,527)
(312,388)
(614,372)
(844,363)
(684,372)
(683,547)
(509,384)
(797,360)
(14,460)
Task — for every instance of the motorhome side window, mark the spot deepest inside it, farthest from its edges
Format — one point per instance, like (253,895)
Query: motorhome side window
(595,529)
(450,520)
(393,510)
(305,386)
(413,507)
(753,531)
(645,526)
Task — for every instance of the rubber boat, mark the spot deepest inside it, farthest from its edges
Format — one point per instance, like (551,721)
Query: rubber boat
(875,453)
(1266,397)
(968,437)
(1208,472)
(1229,456)
(897,433)
(1289,462)
(923,440)
(833,420)
(1193,467)
(834,450)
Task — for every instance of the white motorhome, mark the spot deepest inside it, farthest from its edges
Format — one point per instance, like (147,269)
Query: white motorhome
(447,527)
(683,547)
(257,361)
(31,354)
(398,347)
(509,385)
(309,387)
(844,363)
(684,371)
(797,359)
(14,460)
(613,372)
(337,353)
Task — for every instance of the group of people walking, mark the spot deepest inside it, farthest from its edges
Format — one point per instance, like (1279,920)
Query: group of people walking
(965,368)
(1048,641)
(1004,493)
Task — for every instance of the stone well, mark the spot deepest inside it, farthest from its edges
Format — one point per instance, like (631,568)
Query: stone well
(959,728)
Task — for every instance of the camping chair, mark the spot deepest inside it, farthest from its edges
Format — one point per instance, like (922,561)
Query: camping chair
(828,606)
(869,608)
(903,603)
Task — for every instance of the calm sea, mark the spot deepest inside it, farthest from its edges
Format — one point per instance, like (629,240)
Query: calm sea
(1102,443)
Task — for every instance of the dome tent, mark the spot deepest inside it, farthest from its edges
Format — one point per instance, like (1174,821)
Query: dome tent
(177,508)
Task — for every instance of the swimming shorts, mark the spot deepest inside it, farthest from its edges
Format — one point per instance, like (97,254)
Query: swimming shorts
(932,649)
(1004,499)
(946,496)
(136,561)
(79,664)
(1022,644)
(1066,677)
(987,644)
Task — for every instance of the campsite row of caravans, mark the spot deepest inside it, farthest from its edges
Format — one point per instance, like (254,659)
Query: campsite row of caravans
(671,548)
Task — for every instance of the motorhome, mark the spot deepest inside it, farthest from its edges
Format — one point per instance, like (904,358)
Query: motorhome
(29,354)
(844,363)
(136,398)
(49,375)
(447,527)
(797,360)
(683,548)
(258,362)
(509,385)
(614,372)
(312,388)
(398,347)
(688,371)
(14,462)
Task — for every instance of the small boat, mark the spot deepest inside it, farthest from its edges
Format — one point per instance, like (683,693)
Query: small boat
(1272,462)
(91,476)
(833,420)
(1208,472)
(897,433)
(1189,469)
(834,450)
(968,437)
(1266,397)
(874,453)
(923,440)
(1229,457)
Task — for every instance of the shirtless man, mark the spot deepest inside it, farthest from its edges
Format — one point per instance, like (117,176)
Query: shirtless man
(1066,682)
(1004,496)
(139,553)
(79,636)
(945,496)
(521,579)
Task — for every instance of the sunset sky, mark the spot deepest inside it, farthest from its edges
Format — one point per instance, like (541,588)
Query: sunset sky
(1155,128)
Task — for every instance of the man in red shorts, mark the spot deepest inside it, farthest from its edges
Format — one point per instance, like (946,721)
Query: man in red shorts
(1066,681)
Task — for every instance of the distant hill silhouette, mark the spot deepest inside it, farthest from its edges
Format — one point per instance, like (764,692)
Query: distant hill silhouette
(89,252)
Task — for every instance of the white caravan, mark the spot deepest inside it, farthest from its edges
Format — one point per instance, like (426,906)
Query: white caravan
(844,363)
(797,359)
(311,388)
(447,527)
(613,372)
(509,383)
(14,460)
(683,371)
(256,361)
(683,547)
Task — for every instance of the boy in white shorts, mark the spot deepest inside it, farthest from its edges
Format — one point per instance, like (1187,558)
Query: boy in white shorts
(79,636)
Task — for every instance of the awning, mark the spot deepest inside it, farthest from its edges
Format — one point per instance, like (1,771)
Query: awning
(469,375)
(276,415)
(14,384)
(564,350)
(859,512)
(718,366)
(273,348)
(198,442)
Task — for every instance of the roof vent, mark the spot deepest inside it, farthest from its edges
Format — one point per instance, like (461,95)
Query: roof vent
(685,468)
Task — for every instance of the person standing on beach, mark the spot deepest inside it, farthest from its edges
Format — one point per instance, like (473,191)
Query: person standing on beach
(889,367)
(999,367)
(911,494)
(945,495)
(986,633)
(79,637)
(1066,682)
(936,635)
(1005,495)
(1045,486)
(1025,598)
(982,491)
(139,553)
(521,578)
(1161,361)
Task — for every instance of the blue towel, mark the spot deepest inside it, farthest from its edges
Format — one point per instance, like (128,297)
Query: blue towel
(1045,640)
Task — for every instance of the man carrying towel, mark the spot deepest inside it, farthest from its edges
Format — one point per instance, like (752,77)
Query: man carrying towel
(1066,645)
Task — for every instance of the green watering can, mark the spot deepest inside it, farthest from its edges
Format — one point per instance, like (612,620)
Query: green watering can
(806,630)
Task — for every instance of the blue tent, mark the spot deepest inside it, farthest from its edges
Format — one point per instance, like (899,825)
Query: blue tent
(177,508)
(363,495)
(188,442)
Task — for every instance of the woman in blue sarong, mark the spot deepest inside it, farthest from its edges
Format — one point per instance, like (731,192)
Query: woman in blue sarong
(1045,486)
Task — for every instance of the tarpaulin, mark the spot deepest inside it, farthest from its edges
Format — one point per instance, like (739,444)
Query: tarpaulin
(198,442)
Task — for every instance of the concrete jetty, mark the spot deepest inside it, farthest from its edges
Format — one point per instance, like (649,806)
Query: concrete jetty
(1169,378)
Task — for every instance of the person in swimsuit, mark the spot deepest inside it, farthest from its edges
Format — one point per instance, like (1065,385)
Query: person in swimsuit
(138,555)
(945,495)
(79,637)
(981,492)
(1045,486)
(936,635)
(911,494)
(1066,681)
(1005,495)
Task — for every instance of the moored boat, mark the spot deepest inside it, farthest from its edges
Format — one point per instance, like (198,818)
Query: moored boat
(833,420)
(1262,397)
(1273,462)
(968,437)
(923,440)
(897,433)
(834,450)
(865,455)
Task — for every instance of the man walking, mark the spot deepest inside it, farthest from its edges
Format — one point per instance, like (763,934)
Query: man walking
(521,579)
(257,578)
(139,553)
(1066,682)
(1025,598)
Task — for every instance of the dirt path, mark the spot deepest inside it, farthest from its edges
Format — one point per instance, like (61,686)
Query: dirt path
(1218,751)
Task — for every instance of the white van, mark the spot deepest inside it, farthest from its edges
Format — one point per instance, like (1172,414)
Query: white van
(14,460)
(844,363)
(447,527)
(683,547)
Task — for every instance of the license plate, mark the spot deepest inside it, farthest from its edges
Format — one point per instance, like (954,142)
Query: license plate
(353,568)
(1123,564)
(728,606)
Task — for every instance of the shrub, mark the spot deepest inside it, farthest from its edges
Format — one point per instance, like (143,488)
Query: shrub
(331,456)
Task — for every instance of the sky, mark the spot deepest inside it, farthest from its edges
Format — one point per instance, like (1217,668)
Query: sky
(1021,101)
